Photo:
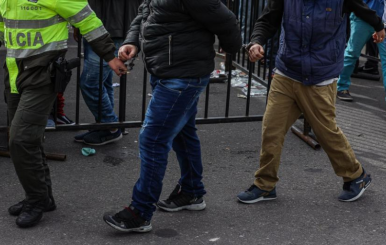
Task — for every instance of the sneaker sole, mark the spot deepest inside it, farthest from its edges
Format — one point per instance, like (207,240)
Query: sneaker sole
(345,98)
(257,200)
(192,207)
(106,142)
(140,229)
(64,123)
(359,195)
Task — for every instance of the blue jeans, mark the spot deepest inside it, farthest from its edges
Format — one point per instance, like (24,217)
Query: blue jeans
(169,123)
(245,23)
(361,32)
(89,84)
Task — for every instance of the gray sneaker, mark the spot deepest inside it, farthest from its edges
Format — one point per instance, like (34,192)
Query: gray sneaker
(255,194)
(179,200)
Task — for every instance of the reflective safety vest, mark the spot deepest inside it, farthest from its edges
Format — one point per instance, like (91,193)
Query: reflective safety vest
(33,27)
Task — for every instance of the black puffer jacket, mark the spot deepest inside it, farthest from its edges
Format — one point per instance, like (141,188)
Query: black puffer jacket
(177,36)
(116,15)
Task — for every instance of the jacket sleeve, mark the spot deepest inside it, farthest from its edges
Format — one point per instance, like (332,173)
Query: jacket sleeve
(218,19)
(361,10)
(269,22)
(79,14)
(132,36)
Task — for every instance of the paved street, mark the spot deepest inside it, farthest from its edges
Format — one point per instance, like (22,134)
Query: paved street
(306,211)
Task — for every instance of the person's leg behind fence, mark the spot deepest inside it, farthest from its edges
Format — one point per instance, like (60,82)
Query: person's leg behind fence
(360,33)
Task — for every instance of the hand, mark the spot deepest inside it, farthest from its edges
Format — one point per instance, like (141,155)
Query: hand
(117,66)
(256,52)
(127,52)
(76,34)
(379,36)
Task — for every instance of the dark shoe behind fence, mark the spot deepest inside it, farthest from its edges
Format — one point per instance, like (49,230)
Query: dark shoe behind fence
(63,119)
(102,137)
(344,95)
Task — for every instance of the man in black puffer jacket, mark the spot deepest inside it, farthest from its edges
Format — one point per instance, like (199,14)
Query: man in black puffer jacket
(176,38)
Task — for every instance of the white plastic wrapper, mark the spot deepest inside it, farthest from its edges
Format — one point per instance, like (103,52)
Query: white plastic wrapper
(256,90)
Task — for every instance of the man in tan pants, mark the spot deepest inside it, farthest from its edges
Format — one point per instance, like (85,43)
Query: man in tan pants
(309,60)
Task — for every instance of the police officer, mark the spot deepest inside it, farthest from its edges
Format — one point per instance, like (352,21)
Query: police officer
(35,33)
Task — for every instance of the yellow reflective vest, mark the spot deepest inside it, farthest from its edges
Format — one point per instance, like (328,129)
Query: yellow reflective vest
(31,28)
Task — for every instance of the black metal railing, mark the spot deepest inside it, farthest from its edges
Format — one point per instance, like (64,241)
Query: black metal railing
(247,11)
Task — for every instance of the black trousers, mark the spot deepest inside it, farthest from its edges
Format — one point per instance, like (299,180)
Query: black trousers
(28,113)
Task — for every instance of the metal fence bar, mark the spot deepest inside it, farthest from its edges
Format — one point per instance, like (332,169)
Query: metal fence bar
(229,65)
(207,101)
(100,90)
(77,103)
(144,88)
(240,8)
(122,99)
(250,64)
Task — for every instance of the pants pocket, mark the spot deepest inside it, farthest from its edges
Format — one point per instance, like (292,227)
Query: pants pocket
(32,128)
(34,118)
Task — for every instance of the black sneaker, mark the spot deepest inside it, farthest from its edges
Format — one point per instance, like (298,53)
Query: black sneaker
(31,214)
(102,137)
(128,220)
(16,209)
(179,200)
(368,70)
(63,119)
(344,95)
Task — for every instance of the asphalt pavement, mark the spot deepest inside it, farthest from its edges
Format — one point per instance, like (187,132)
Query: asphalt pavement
(306,211)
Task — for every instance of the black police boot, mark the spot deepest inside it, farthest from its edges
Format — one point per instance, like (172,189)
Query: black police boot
(15,210)
(31,214)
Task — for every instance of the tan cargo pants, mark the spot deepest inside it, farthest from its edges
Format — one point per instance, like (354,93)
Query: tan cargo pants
(286,101)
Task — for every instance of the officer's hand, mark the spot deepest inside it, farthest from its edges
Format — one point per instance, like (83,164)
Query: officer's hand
(117,66)
(256,52)
(379,36)
(76,34)
(127,52)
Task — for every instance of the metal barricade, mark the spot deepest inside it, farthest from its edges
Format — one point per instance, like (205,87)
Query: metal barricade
(240,61)
(247,11)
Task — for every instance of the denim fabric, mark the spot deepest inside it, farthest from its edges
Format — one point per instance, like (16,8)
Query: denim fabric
(169,124)
(361,32)
(376,5)
(307,55)
(245,24)
(89,84)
